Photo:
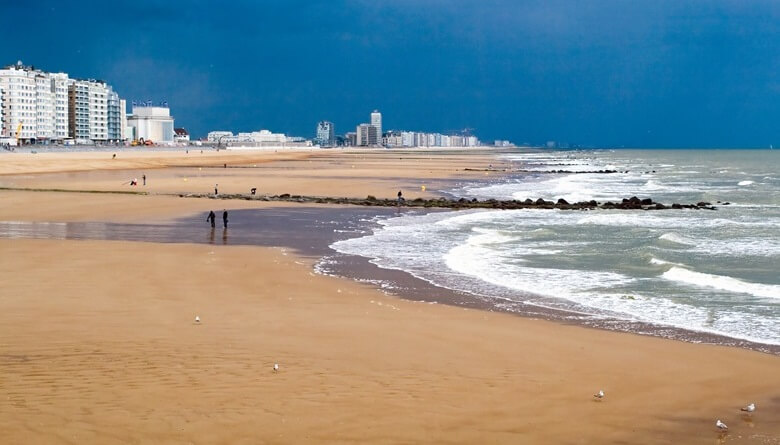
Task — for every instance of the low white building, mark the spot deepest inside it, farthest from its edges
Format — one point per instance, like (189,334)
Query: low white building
(220,136)
(181,135)
(264,137)
(151,123)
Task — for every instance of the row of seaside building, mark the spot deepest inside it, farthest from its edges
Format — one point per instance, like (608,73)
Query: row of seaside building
(365,135)
(41,107)
(371,135)
(38,107)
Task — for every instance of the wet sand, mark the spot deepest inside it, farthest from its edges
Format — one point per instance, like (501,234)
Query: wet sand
(98,344)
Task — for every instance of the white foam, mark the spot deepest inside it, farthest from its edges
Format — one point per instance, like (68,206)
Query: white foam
(744,183)
(724,283)
(677,239)
(659,262)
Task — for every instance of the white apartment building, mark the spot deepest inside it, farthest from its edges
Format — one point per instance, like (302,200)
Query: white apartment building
(95,111)
(326,134)
(34,104)
(376,121)
(98,111)
(367,135)
(2,109)
(122,120)
(418,139)
(44,106)
(60,83)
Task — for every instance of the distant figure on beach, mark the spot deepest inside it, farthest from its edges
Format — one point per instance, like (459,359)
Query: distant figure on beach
(400,197)
(224,218)
(216,189)
(211,218)
(253,190)
(144,178)
(134,182)
(224,165)
(114,156)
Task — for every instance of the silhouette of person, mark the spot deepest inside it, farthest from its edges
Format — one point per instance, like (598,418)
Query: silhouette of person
(144,178)
(224,218)
(211,218)
(216,189)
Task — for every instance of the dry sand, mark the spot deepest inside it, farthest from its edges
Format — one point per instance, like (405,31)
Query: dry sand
(98,345)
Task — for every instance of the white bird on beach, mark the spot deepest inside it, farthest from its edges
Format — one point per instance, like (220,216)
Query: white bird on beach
(197,319)
(750,408)
(600,395)
(722,426)
(276,367)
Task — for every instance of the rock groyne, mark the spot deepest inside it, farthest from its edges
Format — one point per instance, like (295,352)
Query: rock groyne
(633,203)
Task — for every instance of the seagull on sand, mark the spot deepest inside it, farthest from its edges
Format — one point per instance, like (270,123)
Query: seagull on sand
(276,367)
(721,426)
(750,408)
(600,395)
(197,319)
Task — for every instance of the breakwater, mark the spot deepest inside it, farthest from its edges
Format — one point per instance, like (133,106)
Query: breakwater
(633,203)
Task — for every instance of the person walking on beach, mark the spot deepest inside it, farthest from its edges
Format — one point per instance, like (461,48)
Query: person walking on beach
(216,189)
(144,178)
(400,197)
(211,218)
(224,218)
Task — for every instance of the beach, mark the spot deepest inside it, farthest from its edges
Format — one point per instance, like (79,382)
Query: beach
(98,341)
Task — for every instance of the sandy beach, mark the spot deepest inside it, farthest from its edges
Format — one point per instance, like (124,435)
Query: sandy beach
(98,342)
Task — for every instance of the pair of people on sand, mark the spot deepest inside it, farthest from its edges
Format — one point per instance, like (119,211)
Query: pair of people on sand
(211,217)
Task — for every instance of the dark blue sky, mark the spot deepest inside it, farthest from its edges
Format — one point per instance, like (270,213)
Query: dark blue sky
(652,73)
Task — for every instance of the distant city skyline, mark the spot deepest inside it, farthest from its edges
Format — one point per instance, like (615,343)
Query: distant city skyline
(611,73)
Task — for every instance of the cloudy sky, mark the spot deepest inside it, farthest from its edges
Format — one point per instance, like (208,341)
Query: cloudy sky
(651,73)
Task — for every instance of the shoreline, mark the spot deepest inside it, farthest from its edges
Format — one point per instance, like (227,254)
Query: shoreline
(310,237)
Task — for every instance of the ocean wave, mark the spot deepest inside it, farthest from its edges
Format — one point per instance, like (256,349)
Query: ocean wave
(677,239)
(660,262)
(724,283)
(744,183)
(670,222)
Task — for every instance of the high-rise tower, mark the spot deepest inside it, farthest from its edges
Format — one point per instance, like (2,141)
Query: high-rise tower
(376,122)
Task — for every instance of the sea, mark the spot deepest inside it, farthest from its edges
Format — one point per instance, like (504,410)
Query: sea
(696,271)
